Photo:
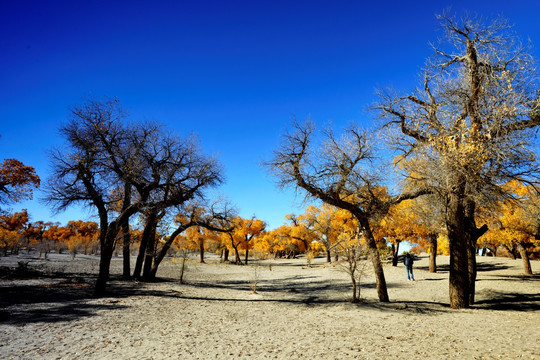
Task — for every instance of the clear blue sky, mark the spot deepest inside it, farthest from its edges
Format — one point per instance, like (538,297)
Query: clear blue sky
(233,72)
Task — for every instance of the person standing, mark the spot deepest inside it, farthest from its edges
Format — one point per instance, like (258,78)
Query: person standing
(408,261)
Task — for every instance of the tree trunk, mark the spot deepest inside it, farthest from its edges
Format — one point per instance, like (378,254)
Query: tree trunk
(247,255)
(183,269)
(201,250)
(471,261)
(328,256)
(149,257)
(473,234)
(526,260)
(395,252)
(126,270)
(107,250)
(354,297)
(226,254)
(382,291)
(147,233)
(237,255)
(163,252)
(103,275)
(458,241)
(432,253)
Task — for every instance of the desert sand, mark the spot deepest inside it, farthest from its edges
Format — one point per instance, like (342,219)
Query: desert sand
(297,312)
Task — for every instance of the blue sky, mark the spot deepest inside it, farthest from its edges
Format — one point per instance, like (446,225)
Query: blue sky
(232,72)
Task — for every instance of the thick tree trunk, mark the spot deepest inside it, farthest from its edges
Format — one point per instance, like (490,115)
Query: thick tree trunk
(526,261)
(328,256)
(107,249)
(226,254)
(103,275)
(432,253)
(395,252)
(382,291)
(458,241)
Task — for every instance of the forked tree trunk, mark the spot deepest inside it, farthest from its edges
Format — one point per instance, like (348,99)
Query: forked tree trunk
(146,235)
(382,291)
(237,255)
(432,253)
(526,261)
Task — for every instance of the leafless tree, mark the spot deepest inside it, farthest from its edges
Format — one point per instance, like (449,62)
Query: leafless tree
(338,172)
(472,120)
(103,153)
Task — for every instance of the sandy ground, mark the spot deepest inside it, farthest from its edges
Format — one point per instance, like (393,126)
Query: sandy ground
(298,312)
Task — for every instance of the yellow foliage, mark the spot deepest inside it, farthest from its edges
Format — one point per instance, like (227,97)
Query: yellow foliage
(8,238)
(443,246)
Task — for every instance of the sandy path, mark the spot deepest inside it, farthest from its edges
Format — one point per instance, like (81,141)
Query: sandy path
(297,313)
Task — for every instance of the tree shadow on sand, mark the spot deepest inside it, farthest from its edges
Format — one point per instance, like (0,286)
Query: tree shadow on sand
(48,298)
(503,301)
(481,267)
(305,290)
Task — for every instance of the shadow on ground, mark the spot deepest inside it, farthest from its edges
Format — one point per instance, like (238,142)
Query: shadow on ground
(32,296)
(49,297)
(509,301)
(481,267)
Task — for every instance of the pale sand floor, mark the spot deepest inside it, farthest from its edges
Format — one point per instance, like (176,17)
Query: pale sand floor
(297,313)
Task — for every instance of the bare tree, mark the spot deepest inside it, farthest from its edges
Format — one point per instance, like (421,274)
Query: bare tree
(339,173)
(472,121)
(104,154)
(85,173)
